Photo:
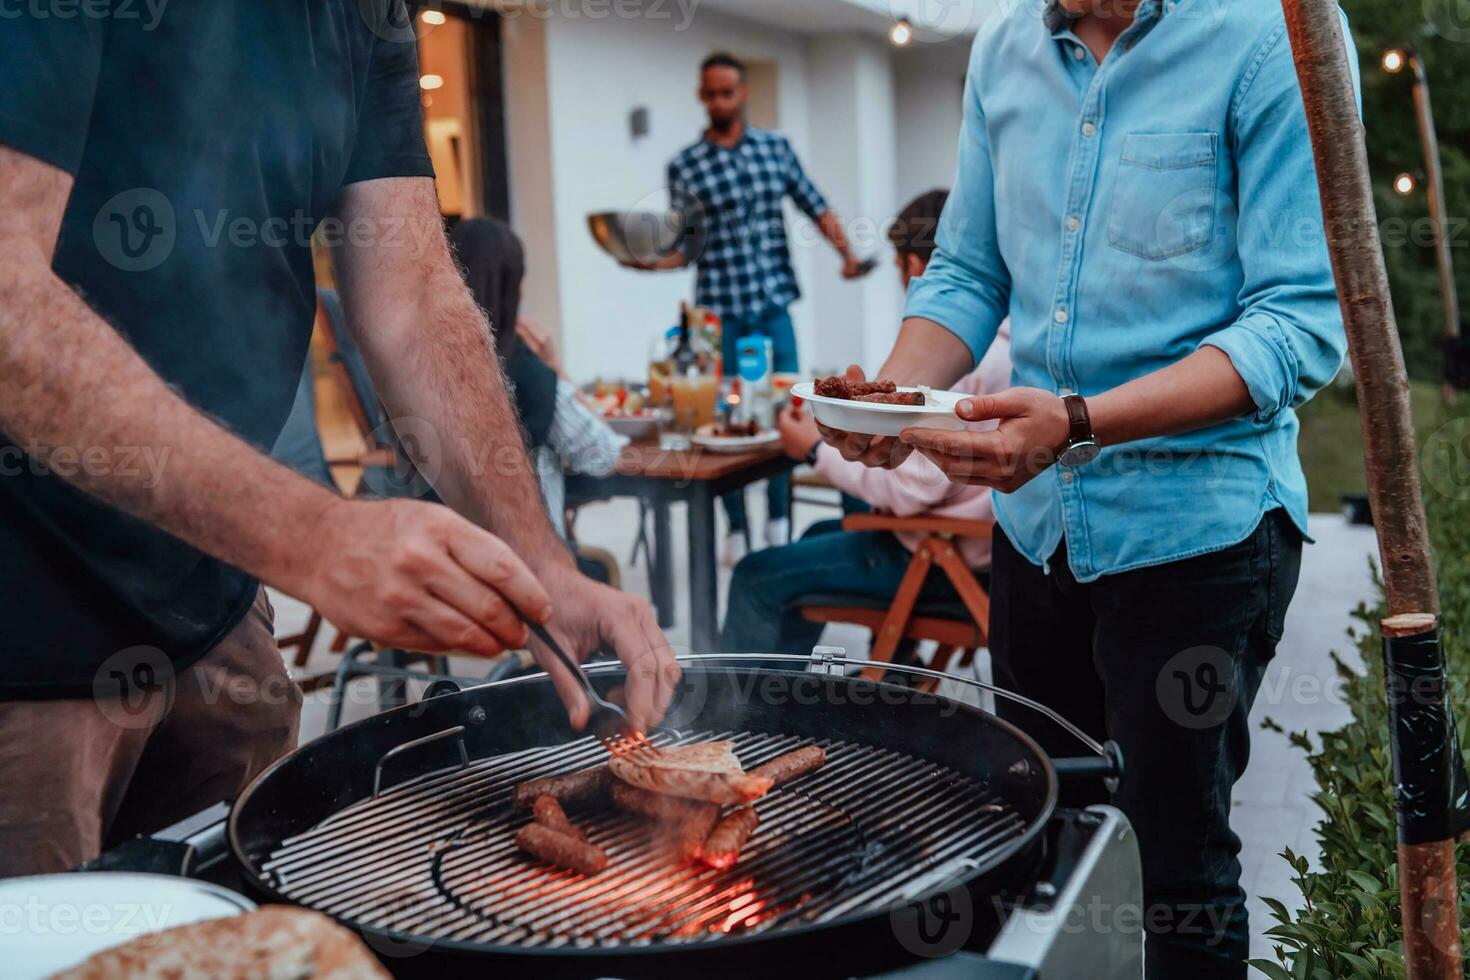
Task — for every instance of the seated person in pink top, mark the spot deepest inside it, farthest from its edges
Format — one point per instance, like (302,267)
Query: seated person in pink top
(762,617)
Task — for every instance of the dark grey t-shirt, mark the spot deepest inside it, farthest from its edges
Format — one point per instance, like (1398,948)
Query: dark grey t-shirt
(207,140)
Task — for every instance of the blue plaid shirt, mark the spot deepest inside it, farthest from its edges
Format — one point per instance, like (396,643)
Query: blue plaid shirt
(745,265)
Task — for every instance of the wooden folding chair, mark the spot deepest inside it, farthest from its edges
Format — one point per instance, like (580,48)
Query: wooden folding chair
(956,626)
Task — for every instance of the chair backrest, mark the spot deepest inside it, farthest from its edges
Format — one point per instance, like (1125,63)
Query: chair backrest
(368,411)
(299,445)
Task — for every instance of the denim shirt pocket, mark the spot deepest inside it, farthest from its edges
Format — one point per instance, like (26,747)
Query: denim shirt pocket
(1164,194)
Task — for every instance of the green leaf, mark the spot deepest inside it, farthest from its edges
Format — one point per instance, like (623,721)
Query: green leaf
(1270,969)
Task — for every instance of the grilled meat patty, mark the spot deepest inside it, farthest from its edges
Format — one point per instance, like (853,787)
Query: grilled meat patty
(707,771)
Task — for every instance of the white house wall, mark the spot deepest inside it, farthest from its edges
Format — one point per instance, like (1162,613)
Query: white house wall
(845,101)
(599,71)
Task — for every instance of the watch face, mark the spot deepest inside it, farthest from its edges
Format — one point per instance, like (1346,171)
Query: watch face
(1080,454)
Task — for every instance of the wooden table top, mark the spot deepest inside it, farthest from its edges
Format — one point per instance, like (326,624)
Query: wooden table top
(646,459)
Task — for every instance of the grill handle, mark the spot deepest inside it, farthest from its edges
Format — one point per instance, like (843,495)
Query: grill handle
(457,732)
(825,657)
(1108,768)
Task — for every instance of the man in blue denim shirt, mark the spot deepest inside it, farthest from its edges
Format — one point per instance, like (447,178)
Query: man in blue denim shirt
(1136,190)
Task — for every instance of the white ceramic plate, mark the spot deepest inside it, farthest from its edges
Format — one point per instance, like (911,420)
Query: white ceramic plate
(874,419)
(51,922)
(705,439)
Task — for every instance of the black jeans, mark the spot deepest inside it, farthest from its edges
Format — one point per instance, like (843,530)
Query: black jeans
(1166,661)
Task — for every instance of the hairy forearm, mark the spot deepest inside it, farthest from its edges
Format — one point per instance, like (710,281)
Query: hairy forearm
(429,350)
(1201,390)
(927,354)
(84,406)
(831,228)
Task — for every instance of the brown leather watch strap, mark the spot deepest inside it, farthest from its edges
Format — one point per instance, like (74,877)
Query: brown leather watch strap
(1078,420)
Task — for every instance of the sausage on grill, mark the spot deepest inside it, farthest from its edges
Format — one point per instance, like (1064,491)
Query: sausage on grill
(645,803)
(893,397)
(785,768)
(572,787)
(549,814)
(722,847)
(693,830)
(557,848)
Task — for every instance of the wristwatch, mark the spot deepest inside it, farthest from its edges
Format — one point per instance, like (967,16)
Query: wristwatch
(811,456)
(1081,447)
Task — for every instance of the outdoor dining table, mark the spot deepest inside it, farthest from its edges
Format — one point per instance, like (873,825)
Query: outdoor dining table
(695,477)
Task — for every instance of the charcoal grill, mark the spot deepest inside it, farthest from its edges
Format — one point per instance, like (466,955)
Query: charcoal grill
(401,827)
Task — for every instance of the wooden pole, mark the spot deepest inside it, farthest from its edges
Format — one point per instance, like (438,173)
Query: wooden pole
(1434,198)
(1426,874)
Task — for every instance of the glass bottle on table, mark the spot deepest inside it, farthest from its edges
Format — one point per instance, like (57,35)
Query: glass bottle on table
(695,386)
(661,367)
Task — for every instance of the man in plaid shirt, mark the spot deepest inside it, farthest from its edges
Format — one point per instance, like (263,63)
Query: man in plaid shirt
(736,177)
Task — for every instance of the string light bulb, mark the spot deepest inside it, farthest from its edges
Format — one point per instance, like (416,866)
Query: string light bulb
(1404,184)
(430,82)
(901,34)
(1394,60)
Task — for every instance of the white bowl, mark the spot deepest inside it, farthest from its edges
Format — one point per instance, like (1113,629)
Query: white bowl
(876,419)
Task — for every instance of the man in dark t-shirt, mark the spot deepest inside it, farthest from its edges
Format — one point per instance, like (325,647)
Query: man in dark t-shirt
(160,181)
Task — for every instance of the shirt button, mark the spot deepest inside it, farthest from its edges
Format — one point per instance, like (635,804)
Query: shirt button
(1072,223)
(1060,315)
(1088,130)
(1078,53)
(1067,476)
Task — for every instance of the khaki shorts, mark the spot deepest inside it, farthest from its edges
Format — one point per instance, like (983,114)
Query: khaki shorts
(80,776)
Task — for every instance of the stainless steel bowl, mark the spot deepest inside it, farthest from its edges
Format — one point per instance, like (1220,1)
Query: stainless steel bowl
(644,237)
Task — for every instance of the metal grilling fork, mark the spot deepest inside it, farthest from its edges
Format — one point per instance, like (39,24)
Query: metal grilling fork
(608,721)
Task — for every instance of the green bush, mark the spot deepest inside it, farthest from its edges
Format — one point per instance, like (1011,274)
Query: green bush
(1349,924)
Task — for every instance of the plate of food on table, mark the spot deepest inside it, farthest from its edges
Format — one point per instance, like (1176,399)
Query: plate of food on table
(734,437)
(879,407)
(625,408)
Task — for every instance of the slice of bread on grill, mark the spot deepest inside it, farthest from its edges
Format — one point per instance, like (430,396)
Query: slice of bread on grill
(706,771)
(271,943)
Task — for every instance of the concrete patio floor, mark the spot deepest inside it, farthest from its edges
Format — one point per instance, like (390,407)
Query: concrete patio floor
(1272,806)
